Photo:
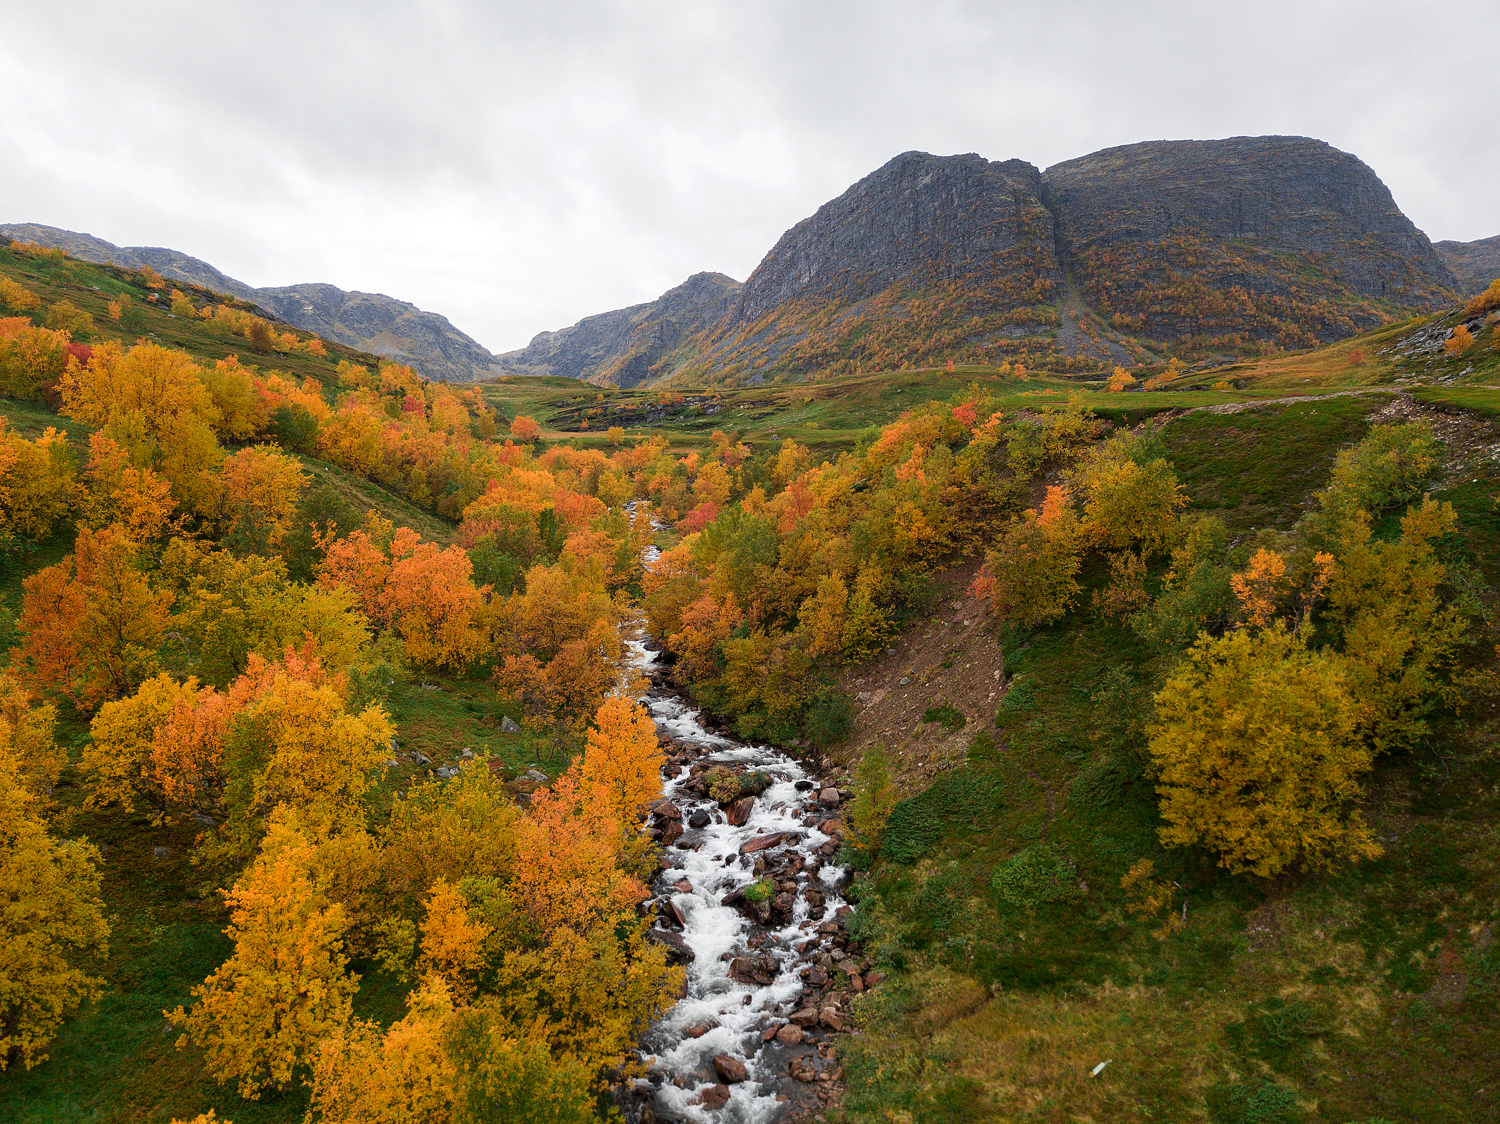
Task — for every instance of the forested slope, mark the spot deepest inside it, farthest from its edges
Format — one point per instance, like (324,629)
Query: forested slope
(270,846)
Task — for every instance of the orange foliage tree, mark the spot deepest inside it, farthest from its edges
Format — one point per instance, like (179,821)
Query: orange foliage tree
(91,622)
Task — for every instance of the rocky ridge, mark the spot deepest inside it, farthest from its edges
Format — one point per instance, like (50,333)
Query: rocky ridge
(623,347)
(1096,261)
(1475,264)
(369,322)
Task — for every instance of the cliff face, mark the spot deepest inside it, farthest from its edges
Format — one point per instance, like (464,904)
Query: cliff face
(957,249)
(368,321)
(622,347)
(1263,237)
(1475,264)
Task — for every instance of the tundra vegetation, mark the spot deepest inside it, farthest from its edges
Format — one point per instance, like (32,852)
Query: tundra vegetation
(266,852)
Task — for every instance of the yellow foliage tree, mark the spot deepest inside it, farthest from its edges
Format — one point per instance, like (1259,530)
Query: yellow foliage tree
(26,737)
(622,760)
(1257,754)
(261,486)
(1031,576)
(118,759)
(51,918)
(452,940)
(116,491)
(267,1008)
(36,482)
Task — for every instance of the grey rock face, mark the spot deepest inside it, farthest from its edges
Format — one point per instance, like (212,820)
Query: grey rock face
(1475,264)
(920,218)
(1211,208)
(623,346)
(369,322)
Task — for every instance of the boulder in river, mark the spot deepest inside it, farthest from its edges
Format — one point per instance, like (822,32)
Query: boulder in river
(790,1035)
(764,842)
(715,1096)
(671,831)
(678,950)
(829,797)
(699,819)
(731,1070)
(739,811)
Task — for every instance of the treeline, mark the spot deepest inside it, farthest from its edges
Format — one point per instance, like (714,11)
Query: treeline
(228,629)
(821,564)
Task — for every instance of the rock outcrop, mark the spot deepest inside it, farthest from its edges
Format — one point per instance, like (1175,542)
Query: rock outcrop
(926,247)
(1231,243)
(370,322)
(1267,237)
(1475,264)
(623,347)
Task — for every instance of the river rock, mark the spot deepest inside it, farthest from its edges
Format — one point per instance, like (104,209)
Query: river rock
(790,1035)
(715,1096)
(699,819)
(671,831)
(829,798)
(666,810)
(739,811)
(678,950)
(830,1018)
(764,842)
(802,1070)
(731,1070)
(683,886)
(699,1029)
(804,786)
(807,1016)
(674,911)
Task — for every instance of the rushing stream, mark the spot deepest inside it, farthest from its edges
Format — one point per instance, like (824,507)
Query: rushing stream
(753,966)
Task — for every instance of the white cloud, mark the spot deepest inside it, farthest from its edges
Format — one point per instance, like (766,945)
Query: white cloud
(516,167)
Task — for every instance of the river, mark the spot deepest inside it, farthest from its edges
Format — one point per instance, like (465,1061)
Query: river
(752,966)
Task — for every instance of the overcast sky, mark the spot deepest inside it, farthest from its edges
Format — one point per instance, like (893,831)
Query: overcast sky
(518,166)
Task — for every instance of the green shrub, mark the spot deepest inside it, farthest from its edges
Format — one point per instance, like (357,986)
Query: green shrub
(1099,785)
(1020,695)
(1252,1102)
(1039,874)
(760,891)
(950,717)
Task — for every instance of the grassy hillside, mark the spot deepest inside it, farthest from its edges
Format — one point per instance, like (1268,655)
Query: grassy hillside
(1362,995)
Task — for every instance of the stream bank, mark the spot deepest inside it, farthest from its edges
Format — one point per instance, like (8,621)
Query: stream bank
(748,899)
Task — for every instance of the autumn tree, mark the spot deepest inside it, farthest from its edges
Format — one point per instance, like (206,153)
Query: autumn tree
(1130,497)
(119,759)
(261,486)
(622,760)
(26,737)
(1030,576)
(51,922)
(116,491)
(36,482)
(284,989)
(1257,754)
(31,359)
(91,622)
(423,593)
(523,428)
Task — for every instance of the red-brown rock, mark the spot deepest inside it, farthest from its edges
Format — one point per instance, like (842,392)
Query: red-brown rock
(731,1070)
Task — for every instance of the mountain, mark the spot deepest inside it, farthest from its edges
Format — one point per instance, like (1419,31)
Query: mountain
(368,321)
(623,347)
(1475,263)
(1219,246)
(1282,238)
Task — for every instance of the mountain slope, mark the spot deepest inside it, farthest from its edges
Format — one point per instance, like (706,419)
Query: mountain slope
(953,254)
(1475,263)
(368,321)
(1281,238)
(1200,248)
(623,346)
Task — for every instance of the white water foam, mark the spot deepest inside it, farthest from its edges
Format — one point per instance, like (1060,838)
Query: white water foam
(714,931)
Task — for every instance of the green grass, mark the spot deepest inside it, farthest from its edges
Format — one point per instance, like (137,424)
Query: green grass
(1256,468)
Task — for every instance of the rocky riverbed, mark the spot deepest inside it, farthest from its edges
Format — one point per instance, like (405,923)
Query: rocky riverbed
(747,899)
